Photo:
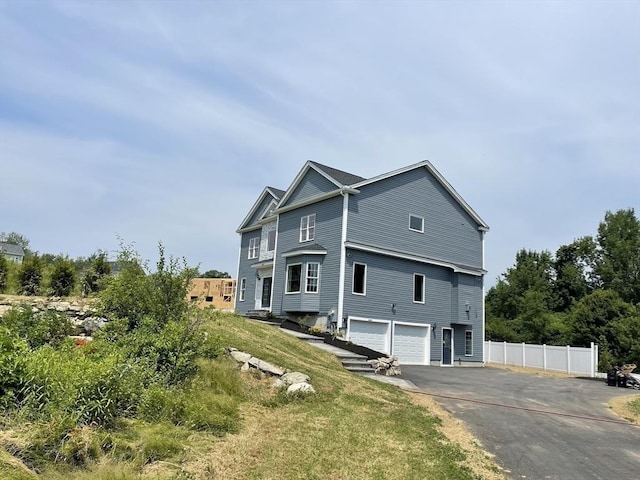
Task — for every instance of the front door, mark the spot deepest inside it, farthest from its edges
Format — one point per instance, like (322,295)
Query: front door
(447,340)
(266,292)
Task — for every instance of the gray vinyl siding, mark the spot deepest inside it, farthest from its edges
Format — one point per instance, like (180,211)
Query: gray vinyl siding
(327,234)
(245,270)
(312,184)
(470,292)
(260,210)
(379,216)
(390,281)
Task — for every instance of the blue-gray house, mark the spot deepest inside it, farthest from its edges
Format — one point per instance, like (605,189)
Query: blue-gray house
(394,262)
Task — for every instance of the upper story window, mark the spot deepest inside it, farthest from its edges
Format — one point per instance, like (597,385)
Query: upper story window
(359,279)
(313,278)
(416,223)
(254,247)
(418,288)
(294,272)
(308,228)
(271,241)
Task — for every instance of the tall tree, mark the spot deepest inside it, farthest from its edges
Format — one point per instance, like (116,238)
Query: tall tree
(573,265)
(618,254)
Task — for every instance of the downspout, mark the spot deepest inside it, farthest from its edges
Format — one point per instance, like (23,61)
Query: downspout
(343,257)
(273,267)
(237,295)
(484,320)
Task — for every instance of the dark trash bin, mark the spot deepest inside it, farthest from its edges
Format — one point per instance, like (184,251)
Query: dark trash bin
(622,381)
(612,381)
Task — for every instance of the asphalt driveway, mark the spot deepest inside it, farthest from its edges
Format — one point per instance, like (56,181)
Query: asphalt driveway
(539,427)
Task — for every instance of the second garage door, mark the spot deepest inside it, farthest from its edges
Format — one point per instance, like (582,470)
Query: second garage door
(369,333)
(411,343)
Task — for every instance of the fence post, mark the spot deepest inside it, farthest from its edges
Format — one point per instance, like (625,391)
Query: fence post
(504,352)
(544,356)
(487,352)
(569,359)
(524,351)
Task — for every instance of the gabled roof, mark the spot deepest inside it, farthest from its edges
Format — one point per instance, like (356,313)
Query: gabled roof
(11,249)
(339,176)
(275,193)
(438,176)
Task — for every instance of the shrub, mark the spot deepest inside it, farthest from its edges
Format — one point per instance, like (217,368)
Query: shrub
(37,328)
(30,275)
(99,270)
(63,277)
(4,273)
(86,389)
(12,366)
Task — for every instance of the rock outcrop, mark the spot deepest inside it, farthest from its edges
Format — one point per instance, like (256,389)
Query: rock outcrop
(296,382)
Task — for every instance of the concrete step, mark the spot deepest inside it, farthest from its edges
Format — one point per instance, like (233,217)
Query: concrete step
(366,369)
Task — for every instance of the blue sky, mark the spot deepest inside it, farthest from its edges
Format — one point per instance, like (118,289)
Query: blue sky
(163,120)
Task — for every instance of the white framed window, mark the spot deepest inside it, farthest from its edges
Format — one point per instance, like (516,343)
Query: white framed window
(271,241)
(416,223)
(308,228)
(359,286)
(243,289)
(468,343)
(294,273)
(254,247)
(418,288)
(312,281)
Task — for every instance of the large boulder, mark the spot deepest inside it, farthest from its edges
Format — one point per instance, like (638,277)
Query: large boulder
(294,377)
(240,357)
(302,387)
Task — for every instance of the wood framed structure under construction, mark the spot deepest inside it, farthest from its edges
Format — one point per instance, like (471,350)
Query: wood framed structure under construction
(218,293)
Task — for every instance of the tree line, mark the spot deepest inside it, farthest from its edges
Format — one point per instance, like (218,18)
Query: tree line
(588,291)
(59,275)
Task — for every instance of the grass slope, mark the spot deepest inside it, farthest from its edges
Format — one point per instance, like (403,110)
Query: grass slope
(353,428)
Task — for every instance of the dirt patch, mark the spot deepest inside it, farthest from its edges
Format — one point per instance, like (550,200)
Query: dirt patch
(515,368)
(620,406)
(479,461)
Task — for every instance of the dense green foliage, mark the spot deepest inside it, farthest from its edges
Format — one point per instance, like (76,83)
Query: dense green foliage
(30,275)
(214,274)
(97,270)
(148,364)
(63,277)
(589,291)
(4,273)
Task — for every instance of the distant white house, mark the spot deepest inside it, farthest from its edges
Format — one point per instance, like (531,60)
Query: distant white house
(12,252)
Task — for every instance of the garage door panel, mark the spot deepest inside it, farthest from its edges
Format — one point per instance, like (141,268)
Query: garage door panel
(411,344)
(369,334)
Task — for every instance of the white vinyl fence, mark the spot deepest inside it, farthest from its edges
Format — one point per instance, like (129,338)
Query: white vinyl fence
(571,360)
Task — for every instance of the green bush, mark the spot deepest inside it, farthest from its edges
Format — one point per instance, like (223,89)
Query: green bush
(12,366)
(63,277)
(37,328)
(88,389)
(30,275)
(4,273)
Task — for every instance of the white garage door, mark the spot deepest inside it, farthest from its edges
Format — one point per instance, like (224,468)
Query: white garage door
(371,334)
(411,344)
